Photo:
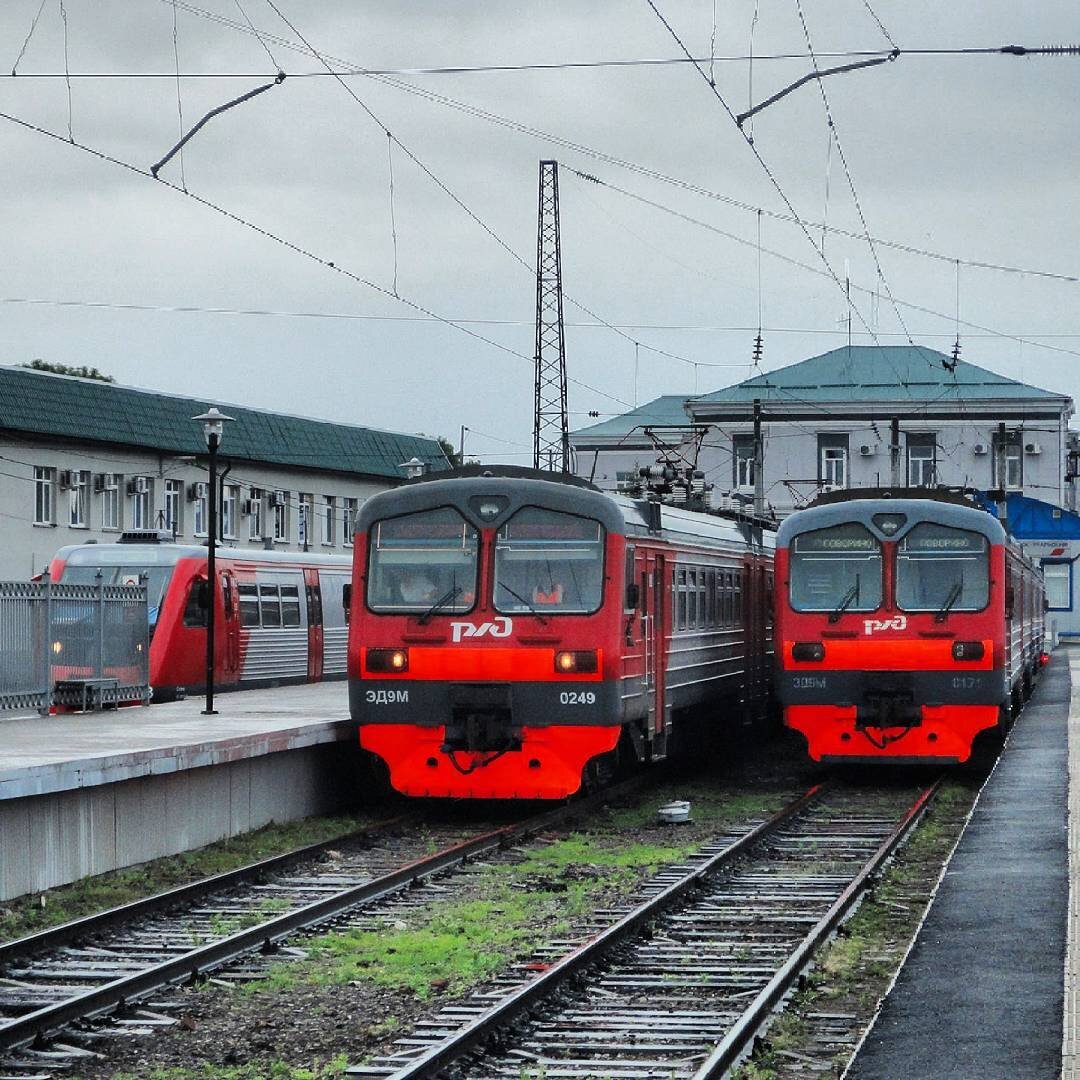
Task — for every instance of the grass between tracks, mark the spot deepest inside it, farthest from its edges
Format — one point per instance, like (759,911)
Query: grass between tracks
(275,1070)
(511,908)
(38,911)
(853,973)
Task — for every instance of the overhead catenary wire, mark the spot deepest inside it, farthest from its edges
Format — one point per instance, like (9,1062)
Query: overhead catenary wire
(67,71)
(29,35)
(179,99)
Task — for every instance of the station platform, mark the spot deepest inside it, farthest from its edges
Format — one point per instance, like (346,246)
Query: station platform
(84,793)
(983,990)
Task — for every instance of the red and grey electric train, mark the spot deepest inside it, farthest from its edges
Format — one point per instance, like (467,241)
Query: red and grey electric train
(904,627)
(281,616)
(510,629)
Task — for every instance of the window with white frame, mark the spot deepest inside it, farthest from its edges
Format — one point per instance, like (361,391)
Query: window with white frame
(329,509)
(1058,577)
(280,503)
(833,461)
(79,500)
(110,500)
(255,514)
(1014,461)
(348,516)
(200,509)
(44,495)
(922,460)
(305,516)
(742,454)
(140,493)
(230,508)
(171,510)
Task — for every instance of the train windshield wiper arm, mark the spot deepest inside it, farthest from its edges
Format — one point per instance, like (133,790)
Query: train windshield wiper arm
(518,596)
(954,595)
(849,598)
(440,603)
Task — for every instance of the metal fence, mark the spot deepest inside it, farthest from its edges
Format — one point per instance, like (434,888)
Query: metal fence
(82,646)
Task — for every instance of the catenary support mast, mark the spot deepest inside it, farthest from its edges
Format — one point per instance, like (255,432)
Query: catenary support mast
(551,433)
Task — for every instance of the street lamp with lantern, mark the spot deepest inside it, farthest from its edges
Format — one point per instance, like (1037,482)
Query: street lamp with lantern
(213,423)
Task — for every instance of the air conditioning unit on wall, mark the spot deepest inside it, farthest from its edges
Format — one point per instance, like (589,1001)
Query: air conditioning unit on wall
(1032,448)
(196,492)
(868,450)
(981,448)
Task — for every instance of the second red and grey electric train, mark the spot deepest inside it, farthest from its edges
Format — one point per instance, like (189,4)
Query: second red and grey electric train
(510,629)
(904,627)
(280,616)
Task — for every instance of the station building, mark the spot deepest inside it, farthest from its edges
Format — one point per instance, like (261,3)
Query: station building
(858,416)
(83,460)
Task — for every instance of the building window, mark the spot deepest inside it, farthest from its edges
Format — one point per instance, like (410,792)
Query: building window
(79,501)
(255,514)
(349,518)
(200,509)
(44,495)
(1058,576)
(170,518)
(230,506)
(833,461)
(110,500)
(280,503)
(140,491)
(922,460)
(305,517)
(1014,462)
(742,456)
(329,507)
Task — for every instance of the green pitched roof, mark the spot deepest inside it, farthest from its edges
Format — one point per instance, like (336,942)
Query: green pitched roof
(877,373)
(40,403)
(666,411)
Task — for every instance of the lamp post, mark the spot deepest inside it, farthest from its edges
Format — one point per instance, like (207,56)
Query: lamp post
(213,423)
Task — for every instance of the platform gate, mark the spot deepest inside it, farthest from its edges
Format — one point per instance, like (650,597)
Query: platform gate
(80,646)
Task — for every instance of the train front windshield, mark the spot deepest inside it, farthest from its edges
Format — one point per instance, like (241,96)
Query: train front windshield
(941,569)
(836,570)
(122,567)
(423,562)
(549,562)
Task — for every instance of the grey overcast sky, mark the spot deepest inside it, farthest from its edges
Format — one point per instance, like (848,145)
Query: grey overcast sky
(972,157)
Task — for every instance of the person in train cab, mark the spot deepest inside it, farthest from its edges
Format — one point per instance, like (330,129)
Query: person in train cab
(418,588)
(552,595)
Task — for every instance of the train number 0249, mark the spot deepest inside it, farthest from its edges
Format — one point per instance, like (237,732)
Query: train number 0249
(577,697)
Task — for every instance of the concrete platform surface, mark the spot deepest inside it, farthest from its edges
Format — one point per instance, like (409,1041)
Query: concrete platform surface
(981,994)
(44,755)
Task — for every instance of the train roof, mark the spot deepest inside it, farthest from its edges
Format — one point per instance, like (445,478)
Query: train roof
(169,554)
(520,487)
(941,512)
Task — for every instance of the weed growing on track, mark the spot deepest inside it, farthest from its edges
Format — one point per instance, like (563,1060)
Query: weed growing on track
(275,1070)
(38,911)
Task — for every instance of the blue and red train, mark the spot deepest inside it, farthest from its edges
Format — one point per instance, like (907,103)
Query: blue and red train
(511,631)
(904,627)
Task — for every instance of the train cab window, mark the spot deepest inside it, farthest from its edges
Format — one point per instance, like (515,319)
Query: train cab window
(195,608)
(249,604)
(549,562)
(836,570)
(290,605)
(270,605)
(426,561)
(941,569)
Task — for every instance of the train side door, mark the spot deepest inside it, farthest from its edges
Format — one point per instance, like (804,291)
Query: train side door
(315,624)
(231,605)
(655,640)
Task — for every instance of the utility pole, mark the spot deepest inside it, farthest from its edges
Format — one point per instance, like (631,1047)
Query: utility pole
(759,462)
(999,463)
(551,432)
(894,452)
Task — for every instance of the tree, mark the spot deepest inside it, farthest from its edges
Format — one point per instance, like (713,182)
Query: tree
(81,372)
(447,448)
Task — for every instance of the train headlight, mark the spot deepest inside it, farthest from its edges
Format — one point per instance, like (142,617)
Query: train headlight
(57,647)
(968,650)
(808,650)
(575,663)
(395,661)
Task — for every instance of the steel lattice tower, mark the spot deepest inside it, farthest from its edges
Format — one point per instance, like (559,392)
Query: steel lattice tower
(551,435)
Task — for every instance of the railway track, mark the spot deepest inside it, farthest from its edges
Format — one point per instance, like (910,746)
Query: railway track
(118,968)
(681,984)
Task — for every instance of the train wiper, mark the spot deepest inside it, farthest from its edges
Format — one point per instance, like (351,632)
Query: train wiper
(954,595)
(440,603)
(849,598)
(518,596)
